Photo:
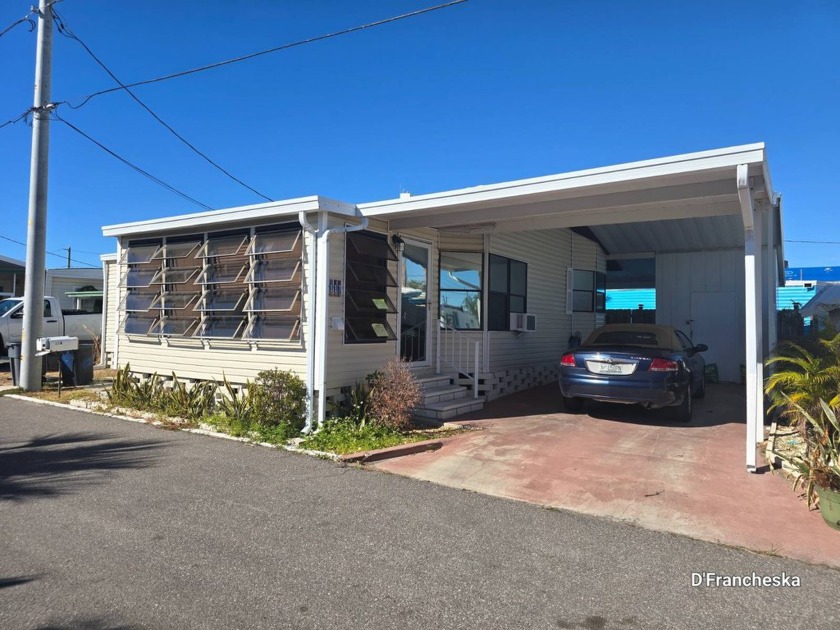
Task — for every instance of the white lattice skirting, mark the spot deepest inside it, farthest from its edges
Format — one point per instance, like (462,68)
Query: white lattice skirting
(504,382)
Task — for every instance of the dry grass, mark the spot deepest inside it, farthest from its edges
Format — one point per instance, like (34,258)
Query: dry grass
(67,394)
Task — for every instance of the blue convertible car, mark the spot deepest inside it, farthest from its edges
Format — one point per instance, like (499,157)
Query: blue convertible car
(655,366)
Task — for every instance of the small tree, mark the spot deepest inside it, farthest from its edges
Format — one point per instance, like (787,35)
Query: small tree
(394,393)
(279,398)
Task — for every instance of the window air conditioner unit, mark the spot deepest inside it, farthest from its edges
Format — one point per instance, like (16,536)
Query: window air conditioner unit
(523,322)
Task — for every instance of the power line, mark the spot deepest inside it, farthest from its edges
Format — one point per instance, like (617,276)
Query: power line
(67,32)
(25,18)
(814,242)
(62,256)
(86,99)
(156,180)
(12,121)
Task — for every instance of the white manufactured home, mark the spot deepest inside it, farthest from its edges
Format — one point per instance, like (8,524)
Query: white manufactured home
(484,287)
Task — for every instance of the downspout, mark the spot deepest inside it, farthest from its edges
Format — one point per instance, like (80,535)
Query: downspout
(319,325)
(312,259)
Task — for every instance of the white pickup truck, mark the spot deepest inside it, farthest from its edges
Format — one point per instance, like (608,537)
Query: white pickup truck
(79,324)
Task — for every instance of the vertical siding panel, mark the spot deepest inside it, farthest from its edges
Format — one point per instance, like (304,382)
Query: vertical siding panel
(712,278)
(687,290)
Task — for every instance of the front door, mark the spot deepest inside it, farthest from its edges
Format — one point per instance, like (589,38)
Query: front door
(414,307)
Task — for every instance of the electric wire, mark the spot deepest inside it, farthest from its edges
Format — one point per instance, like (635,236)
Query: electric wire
(218,64)
(25,18)
(12,121)
(67,32)
(814,242)
(62,256)
(134,167)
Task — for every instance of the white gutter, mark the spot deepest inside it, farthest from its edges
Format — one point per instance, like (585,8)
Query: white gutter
(319,325)
(312,259)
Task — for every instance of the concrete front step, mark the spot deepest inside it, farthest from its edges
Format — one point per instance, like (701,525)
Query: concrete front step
(449,409)
(441,394)
(434,381)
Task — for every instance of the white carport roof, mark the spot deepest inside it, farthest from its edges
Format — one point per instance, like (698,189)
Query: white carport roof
(681,203)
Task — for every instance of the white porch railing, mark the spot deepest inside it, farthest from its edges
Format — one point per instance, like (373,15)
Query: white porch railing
(456,351)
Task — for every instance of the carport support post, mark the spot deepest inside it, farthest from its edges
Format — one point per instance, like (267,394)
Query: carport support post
(753,316)
(758,361)
(771,270)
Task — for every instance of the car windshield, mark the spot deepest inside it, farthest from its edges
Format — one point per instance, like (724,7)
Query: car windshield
(625,338)
(7,305)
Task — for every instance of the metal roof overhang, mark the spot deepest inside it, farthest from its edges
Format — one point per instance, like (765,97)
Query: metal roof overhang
(681,203)
(219,219)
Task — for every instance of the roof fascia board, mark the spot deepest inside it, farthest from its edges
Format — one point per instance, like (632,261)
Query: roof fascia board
(627,203)
(232,215)
(12,261)
(611,216)
(718,159)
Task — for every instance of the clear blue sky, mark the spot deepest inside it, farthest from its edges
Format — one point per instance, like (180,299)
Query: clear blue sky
(485,91)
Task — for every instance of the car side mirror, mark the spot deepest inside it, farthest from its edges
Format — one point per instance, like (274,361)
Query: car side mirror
(701,347)
(18,315)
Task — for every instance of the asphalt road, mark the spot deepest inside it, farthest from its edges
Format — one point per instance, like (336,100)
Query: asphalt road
(111,524)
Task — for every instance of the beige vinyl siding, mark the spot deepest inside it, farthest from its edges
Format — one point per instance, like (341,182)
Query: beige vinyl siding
(110,309)
(190,359)
(455,242)
(548,254)
(238,360)
(349,363)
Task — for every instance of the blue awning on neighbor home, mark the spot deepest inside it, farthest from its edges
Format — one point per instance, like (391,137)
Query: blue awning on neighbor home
(620,299)
(787,295)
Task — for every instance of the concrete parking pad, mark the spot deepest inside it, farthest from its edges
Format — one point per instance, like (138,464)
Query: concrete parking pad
(632,465)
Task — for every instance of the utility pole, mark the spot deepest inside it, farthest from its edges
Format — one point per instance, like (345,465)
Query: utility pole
(36,241)
(68,257)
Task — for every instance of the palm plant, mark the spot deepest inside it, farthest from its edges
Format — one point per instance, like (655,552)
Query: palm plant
(807,376)
(819,465)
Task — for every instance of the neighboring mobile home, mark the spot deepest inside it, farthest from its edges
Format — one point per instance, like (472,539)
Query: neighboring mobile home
(491,282)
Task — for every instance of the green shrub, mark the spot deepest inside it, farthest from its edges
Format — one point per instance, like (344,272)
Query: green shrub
(344,435)
(279,400)
(394,393)
(356,403)
(152,394)
(237,406)
(188,402)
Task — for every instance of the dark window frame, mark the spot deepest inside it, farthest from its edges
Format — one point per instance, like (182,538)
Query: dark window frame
(597,302)
(367,284)
(499,302)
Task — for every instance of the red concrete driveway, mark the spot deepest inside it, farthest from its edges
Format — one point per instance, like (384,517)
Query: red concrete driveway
(633,465)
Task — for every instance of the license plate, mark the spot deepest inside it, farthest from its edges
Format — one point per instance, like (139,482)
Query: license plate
(609,368)
(617,369)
